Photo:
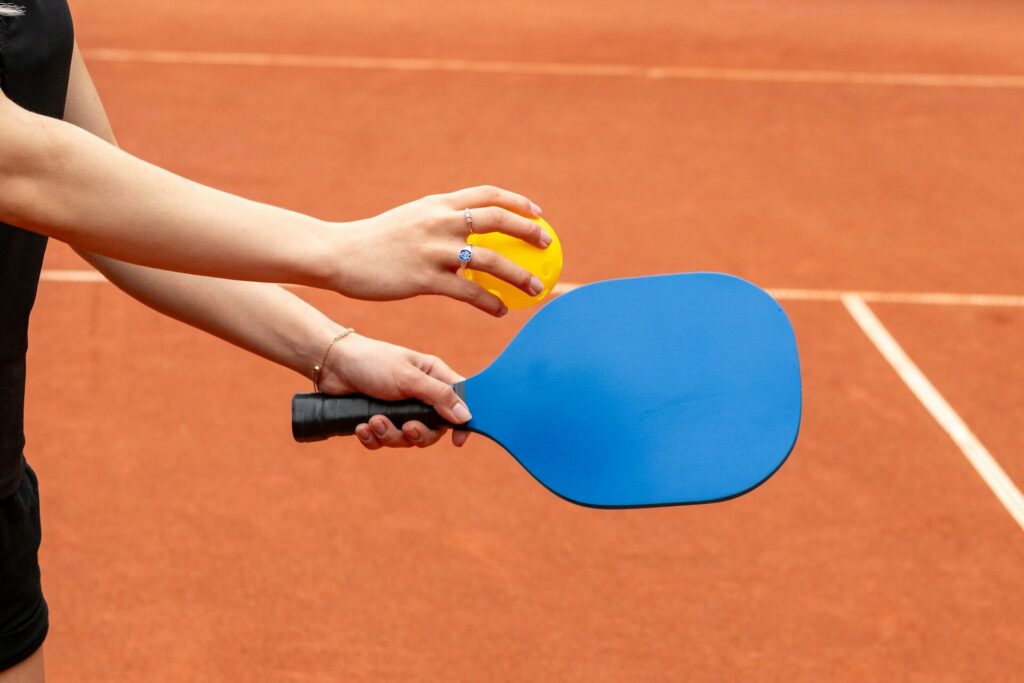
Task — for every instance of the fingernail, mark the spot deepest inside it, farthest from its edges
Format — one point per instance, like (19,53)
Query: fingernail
(536,209)
(545,238)
(363,436)
(502,311)
(461,412)
(379,427)
(536,286)
(414,434)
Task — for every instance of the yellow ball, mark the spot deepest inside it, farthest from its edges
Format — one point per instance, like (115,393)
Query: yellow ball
(546,264)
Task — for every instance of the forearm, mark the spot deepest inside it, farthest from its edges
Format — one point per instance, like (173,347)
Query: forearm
(61,181)
(263,318)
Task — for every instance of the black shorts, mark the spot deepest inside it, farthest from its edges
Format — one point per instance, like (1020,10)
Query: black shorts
(24,618)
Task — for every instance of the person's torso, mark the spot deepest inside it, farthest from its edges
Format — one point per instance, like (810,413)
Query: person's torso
(35,61)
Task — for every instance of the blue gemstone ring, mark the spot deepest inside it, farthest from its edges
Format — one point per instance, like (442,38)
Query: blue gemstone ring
(466,254)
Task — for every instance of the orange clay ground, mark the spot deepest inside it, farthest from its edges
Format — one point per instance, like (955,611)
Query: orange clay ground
(187,538)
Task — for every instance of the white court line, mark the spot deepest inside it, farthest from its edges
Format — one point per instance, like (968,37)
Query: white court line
(855,302)
(976,453)
(690,73)
(938,298)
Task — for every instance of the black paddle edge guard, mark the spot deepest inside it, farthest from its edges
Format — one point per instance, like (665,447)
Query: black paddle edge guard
(316,417)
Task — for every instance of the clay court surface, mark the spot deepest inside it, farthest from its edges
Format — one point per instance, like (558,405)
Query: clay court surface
(819,148)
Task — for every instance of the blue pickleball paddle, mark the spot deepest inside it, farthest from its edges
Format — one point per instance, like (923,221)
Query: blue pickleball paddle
(645,391)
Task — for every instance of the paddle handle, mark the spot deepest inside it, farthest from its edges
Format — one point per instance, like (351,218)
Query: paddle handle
(316,417)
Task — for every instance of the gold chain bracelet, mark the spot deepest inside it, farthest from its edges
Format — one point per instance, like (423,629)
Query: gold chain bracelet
(318,368)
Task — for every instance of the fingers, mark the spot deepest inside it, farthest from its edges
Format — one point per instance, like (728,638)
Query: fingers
(495,219)
(488,195)
(417,384)
(381,432)
(419,434)
(458,287)
(489,261)
(435,367)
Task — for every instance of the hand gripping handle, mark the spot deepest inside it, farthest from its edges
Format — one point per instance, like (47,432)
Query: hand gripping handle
(316,417)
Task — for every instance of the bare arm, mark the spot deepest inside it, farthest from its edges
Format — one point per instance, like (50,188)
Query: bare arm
(263,318)
(259,317)
(61,181)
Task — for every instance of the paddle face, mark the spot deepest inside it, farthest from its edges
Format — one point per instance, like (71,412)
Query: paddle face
(647,391)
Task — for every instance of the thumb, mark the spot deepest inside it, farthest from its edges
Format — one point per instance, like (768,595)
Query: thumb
(434,392)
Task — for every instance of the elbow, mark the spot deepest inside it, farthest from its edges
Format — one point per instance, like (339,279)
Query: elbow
(22,199)
(23,139)
(19,195)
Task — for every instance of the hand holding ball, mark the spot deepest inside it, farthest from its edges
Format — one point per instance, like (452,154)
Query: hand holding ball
(546,264)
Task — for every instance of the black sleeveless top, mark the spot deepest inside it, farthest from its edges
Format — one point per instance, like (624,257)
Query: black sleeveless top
(35,61)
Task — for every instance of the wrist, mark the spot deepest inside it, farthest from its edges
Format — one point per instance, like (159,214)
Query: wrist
(308,338)
(323,361)
(317,373)
(320,255)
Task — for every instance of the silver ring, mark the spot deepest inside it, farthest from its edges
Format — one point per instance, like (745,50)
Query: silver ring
(465,255)
(468,215)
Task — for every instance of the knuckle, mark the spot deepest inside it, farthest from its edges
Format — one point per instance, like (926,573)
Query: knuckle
(473,294)
(438,217)
(484,259)
(482,297)
(405,382)
(492,193)
(436,363)
(423,284)
(432,201)
(459,290)
(427,283)
(457,285)
(439,252)
(460,294)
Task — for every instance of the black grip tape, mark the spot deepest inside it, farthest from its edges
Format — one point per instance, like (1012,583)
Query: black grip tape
(316,417)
